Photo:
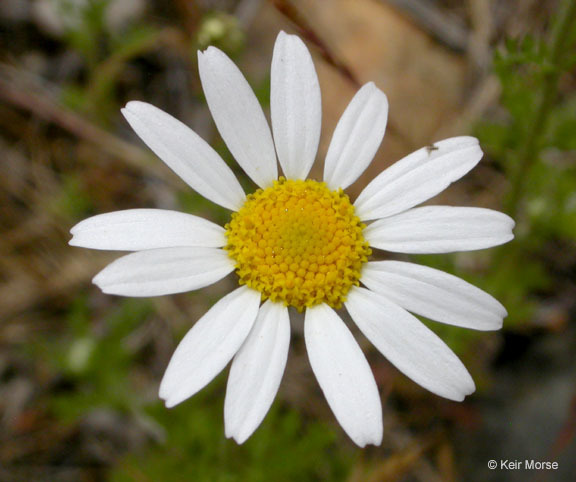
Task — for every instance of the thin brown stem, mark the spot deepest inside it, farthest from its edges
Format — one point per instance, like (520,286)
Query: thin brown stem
(17,90)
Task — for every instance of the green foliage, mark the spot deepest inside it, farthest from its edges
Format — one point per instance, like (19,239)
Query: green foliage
(97,364)
(71,202)
(193,203)
(99,94)
(85,25)
(221,30)
(105,48)
(194,447)
(189,442)
(530,145)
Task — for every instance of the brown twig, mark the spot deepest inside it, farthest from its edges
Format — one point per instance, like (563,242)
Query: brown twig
(18,90)
(447,29)
(286,8)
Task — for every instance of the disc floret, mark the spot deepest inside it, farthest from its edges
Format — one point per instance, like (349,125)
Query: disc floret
(299,243)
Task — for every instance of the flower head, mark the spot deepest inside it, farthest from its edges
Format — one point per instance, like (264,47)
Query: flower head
(298,243)
(302,243)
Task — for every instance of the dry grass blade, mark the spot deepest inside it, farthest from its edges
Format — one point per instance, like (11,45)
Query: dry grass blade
(18,89)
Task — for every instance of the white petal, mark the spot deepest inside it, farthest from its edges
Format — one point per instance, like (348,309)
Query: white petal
(440,229)
(209,345)
(164,271)
(139,229)
(344,375)
(256,372)
(434,294)
(295,105)
(238,116)
(408,344)
(187,154)
(357,137)
(418,177)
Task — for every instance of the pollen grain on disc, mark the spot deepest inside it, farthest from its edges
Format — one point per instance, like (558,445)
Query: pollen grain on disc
(298,243)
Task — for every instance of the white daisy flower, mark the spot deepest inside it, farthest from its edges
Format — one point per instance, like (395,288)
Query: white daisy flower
(302,243)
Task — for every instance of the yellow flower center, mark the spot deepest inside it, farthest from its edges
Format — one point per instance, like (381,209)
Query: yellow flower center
(298,243)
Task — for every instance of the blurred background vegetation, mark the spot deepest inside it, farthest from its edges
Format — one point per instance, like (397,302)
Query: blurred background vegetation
(79,370)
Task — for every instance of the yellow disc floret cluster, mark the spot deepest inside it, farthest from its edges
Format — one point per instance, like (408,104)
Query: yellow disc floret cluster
(298,243)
